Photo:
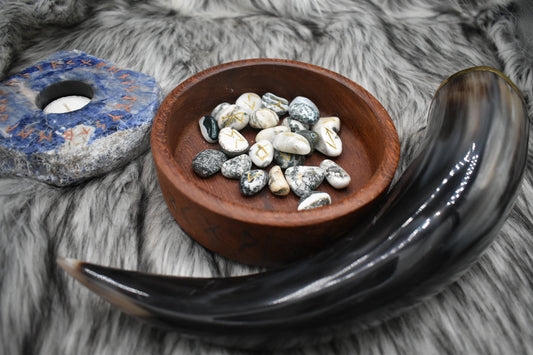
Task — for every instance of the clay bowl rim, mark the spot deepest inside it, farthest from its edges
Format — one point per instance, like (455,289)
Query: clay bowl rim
(374,188)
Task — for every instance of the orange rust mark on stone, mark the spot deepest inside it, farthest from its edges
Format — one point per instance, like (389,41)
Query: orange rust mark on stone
(3,117)
(101,64)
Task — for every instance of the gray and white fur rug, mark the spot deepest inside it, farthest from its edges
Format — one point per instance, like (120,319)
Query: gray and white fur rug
(399,50)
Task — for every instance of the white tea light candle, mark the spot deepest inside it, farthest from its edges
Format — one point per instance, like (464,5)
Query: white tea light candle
(67,104)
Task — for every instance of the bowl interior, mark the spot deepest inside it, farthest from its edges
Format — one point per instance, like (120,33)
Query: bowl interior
(370,143)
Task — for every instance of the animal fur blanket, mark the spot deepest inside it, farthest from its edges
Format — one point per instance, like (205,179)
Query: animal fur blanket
(400,51)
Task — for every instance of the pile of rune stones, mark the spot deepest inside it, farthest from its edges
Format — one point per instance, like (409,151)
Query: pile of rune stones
(287,145)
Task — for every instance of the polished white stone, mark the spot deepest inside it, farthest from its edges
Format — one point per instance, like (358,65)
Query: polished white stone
(262,153)
(264,118)
(249,101)
(232,142)
(232,116)
(329,143)
(270,133)
(289,142)
(332,122)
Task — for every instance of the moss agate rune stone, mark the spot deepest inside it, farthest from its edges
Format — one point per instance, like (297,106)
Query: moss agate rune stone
(232,116)
(312,137)
(304,110)
(304,179)
(232,142)
(286,160)
(336,176)
(235,167)
(263,118)
(253,181)
(249,101)
(270,133)
(262,153)
(329,143)
(294,125)
(314,199)
(276,103)
(208,162)
(290,142)
(65,148)
(332,122)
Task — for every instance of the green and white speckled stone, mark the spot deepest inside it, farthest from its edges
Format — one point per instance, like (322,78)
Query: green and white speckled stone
(336,176)
(208,162)
(304,110)
(286,160)
(304,179)
(276,103)
(235,167)
(253,181)
(314,199)
(294,125)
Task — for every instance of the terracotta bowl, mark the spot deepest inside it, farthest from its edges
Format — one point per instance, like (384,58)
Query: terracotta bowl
(264,229)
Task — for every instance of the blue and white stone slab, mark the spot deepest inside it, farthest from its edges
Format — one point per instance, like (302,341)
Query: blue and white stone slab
(66,148)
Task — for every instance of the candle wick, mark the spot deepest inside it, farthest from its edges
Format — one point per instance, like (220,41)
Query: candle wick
(68,108)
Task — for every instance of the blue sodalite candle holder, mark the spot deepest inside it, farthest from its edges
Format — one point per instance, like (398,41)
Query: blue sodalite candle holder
(65,148)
